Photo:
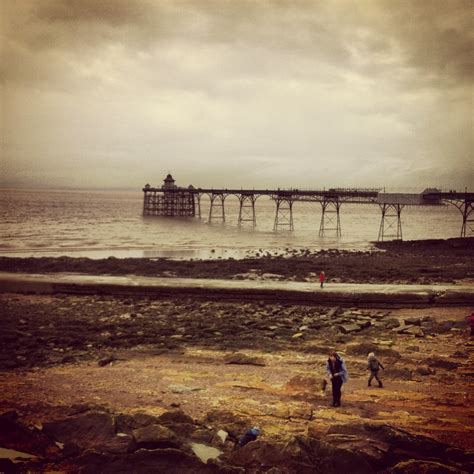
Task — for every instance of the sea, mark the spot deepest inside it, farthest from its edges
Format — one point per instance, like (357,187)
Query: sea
(102,224)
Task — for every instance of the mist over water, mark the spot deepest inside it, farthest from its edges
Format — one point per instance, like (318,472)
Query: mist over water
(99,224)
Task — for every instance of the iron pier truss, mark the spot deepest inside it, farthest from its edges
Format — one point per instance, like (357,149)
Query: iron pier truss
(170,200)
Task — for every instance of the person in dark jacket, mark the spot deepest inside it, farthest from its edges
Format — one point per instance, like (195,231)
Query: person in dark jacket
(249,435)
(374,366)
(337,371)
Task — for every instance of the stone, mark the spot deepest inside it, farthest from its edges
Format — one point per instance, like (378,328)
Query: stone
(155,437)
(423,370)
(349,328)
(127,423)
(414,331)
(363,324)
(87,430)
(243,359)
(184,389)
(413,321)
(105,361)
(298,335)
(333,311)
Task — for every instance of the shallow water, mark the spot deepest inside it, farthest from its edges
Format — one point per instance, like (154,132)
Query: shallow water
(99,224)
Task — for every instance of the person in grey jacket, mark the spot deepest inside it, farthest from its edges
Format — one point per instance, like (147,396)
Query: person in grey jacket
(337,371)
(374,366)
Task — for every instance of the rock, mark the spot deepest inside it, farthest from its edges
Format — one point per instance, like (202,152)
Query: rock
(415,331)
(364,348)
(155,437)
(87,431)
(413,321)
(15,435)
(105,361)
(127,423)
(243,359)
(227,421)
(349,328)
(414,466)
(169,461)
(333,311)
(299,454)
(298,335)
(402,328)
(183,425)
(222,435)
(183,389)
(304,383)
(423,370)
(398,373)
(121,443)
(443,363)
(363,324)
(174,416)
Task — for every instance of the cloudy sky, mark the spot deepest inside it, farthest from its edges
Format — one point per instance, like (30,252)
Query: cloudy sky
(116,93)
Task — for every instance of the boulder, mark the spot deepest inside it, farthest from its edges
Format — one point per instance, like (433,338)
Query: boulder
(15,435)
(86,431)
(155,437)
(145,461)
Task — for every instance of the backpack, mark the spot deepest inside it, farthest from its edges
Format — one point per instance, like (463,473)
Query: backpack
(374,364)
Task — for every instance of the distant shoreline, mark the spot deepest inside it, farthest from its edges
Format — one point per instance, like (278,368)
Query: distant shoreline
(403,262)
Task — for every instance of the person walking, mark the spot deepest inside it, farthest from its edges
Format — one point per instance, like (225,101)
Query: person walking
(337,371)
(322,278)
(374,366)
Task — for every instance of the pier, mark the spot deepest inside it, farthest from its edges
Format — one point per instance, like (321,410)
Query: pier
(171,200)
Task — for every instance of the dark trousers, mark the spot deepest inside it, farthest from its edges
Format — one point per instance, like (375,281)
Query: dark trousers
(374,374)
(336,390)
(322,283)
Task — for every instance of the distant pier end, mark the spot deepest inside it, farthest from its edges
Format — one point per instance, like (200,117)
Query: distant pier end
(169,200)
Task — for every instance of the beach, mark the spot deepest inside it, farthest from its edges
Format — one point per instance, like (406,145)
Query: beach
(76,366)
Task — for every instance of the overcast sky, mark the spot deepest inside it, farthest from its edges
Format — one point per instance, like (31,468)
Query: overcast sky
(116,93)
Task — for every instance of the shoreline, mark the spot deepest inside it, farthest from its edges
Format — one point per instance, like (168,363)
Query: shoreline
(395,262)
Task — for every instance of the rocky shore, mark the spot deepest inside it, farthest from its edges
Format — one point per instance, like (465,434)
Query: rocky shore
(115,384)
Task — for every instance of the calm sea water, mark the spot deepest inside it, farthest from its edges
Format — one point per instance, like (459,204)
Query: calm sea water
(100,224)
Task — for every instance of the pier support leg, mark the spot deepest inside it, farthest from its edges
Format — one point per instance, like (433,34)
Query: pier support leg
(467,220)
(198,199)
(247,209)
(217,200)
(330,218)
(284,213)
(391,222)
